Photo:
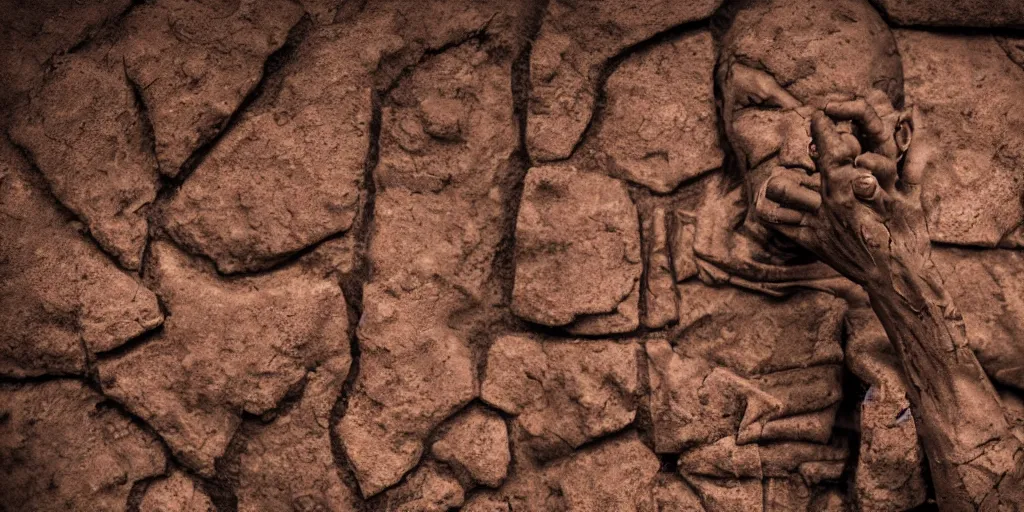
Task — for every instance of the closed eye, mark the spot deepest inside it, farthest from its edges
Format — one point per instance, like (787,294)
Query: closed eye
(763,103)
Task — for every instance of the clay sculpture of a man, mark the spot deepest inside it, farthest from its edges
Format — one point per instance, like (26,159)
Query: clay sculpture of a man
(828,163)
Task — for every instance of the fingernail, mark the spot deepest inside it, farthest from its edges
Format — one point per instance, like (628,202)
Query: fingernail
(865,186)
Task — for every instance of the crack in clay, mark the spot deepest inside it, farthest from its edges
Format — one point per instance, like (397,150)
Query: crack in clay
(272,68)
(43,185)
(600,102)
(352,290)
(108,27)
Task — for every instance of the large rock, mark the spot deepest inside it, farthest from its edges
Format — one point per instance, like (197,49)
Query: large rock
(289,174)
(587,482)
(194,63)
(988,289)
(430,488)
(954,13)
(448,137)
(61,299)
(165,82)
(228,346)
(410,379)
(476,443)
(33,32)
(288,464)
(84,130)
(576,40)
(62,448)
(615,474)
(659,127)
(563,394)
(577,251)
(177,492)
(966,88)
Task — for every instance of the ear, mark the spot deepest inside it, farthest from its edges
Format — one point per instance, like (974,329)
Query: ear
(904,130)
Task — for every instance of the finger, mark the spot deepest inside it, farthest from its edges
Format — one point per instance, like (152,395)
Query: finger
(834,146)
(860,112)
(800,234)
(811,181)
(868,191)
(833,150)
(770,212)
(790,193)
(884,169)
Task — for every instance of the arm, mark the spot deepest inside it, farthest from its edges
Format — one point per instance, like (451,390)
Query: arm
(868,224)
(975,460)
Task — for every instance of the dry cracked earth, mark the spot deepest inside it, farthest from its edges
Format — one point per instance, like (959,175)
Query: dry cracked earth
(427,255)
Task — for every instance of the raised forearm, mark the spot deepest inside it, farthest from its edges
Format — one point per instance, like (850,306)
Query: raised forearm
(972,453)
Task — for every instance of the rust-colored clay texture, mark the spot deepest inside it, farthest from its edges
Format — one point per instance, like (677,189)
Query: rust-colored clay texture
(511,255)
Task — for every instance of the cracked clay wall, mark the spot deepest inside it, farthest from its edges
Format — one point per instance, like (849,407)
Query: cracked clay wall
(429,255)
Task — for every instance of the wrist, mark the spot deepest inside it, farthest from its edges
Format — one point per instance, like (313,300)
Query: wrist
(907,278)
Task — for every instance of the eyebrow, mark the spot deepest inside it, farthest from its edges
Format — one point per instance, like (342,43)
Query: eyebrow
(772,91)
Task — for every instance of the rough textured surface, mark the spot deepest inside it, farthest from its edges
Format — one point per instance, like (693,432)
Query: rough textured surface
(476,442)
(890,463)
(430,488)
(33,32)
(84,130)
(662,147)
(955,13)
(289,173)
(288,464)
(716,380)
(227,347)
(660,302)
(563,394)
(575,41)
(447,138)
(964,88)
(177,492)
(63,448)
(193,63)
(990,287)
(61,299)
(577,251)
(494,256)
(584,484)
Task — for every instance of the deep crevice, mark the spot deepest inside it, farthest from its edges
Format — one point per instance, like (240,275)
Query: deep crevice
(352,288)
(106,28)
(37,179)
(272,68)
(138,492)
(611,65)
(29,380)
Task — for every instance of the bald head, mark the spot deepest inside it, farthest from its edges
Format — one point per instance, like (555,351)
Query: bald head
(814,48)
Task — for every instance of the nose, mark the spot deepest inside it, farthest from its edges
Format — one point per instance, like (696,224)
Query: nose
(796,143)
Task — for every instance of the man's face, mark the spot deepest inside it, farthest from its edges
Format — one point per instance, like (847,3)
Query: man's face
(781,61)
(768,128)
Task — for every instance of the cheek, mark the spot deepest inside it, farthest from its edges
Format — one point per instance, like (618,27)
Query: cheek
(756,134)
(760,137)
